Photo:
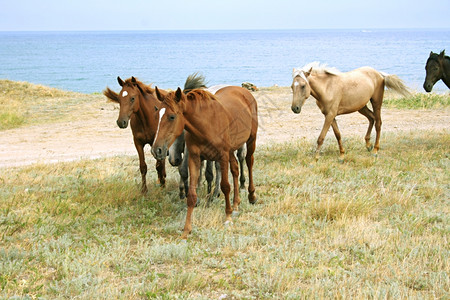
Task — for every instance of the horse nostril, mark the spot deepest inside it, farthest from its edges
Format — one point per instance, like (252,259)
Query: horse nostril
(177,161)
(296,109)
(122,123)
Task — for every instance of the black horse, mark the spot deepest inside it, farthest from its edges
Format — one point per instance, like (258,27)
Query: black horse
(437,67)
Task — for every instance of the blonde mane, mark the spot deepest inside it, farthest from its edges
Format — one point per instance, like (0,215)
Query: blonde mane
(315,67)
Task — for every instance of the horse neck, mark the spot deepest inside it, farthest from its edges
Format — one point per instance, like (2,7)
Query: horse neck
(446,71)
(317,83)
(196,119)
(145,114)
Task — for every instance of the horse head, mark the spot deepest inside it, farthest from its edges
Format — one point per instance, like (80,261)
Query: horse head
(434,70)
(129,99)
(171,121)
(300,89)
(176,151)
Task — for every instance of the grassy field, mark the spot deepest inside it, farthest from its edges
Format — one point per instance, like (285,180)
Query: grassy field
(25,104)
(367,228)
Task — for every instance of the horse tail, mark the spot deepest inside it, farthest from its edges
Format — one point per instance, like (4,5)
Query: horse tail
(194,81)
(111,95)
(393,82)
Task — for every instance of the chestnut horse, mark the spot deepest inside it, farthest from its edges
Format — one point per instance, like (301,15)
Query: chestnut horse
(339,93)
(178,157)
(138,106)
(437,68)
(216,126)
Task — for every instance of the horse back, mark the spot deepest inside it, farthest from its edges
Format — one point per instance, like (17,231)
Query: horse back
(241,108)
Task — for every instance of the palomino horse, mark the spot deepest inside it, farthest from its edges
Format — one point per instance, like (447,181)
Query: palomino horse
(437,68)
(138,106)
(339,93)
(216,126)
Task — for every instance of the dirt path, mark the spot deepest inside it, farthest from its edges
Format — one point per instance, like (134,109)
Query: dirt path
(98,136)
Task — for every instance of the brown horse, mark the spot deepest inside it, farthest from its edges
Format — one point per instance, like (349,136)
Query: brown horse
(216,126)
(339,93)
(437,68)
(138,106)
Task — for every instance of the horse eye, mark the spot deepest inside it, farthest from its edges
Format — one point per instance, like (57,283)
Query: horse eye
(172,117)
(132,99)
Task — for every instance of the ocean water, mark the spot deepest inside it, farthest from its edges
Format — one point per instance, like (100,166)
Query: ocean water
(89,61)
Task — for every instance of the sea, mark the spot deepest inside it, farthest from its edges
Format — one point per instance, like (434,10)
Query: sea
(89,61)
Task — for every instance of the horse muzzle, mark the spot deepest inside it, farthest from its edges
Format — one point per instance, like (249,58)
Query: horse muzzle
(296,109)
(159,153)
(175,161)
(427,87)
(122,123)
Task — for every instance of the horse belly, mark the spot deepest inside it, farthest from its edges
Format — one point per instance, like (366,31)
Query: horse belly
(355,97)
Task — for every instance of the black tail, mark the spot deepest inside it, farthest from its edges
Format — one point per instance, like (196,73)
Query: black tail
(194,81)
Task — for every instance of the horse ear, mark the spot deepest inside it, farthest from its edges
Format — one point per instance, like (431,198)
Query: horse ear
(441,55)
(158,94)
(309,72)
(133,80)
(178,94)
(120,81)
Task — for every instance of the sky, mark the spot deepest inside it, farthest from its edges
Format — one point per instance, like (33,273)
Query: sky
(54,15)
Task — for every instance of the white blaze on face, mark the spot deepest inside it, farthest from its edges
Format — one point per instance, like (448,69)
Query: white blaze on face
(124,94)
(296,83)
(161,114)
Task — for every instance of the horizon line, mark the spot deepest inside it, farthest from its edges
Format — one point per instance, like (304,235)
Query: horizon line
(260,29)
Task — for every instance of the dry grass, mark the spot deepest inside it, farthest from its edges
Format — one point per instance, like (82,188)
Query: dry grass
(24,103)
(367,228)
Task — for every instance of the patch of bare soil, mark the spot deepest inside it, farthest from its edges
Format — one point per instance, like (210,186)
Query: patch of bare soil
(97,135)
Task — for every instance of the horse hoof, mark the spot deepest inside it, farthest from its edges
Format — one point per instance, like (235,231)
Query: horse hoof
(253,201)
(228,223)
(235,213)
(370,148)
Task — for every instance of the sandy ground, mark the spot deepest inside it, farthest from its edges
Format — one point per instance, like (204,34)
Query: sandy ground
(97,135)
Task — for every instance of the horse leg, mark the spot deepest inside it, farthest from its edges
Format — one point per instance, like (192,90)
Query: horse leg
(234,167)
(225,186)
(161,169)
(371,117)
(377,100)
(249,159)
(241,157)
(326,125)
(194,167)
(209,176)
(142,165)
(337,133)
(378,123)
(184,176)
(218,180)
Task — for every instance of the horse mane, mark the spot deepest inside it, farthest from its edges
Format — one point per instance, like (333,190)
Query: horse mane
(194,95)
(200,94)
(194,81)
(435,56)
(131,82)
(317,68)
